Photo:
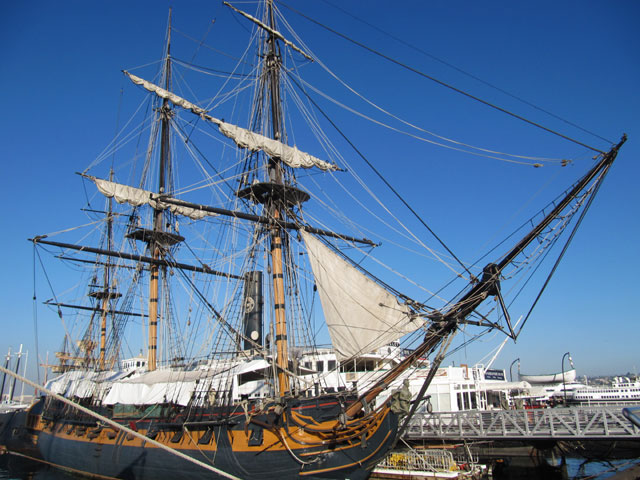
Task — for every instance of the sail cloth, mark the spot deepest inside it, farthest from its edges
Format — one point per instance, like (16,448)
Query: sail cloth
(361,315)
(290,155)
(276,33)
(160,386)
(137,196)
(83,384)
(242,137)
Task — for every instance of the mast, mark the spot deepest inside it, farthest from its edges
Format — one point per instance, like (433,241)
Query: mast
(13,385)
(4,377)
(158,216)
(107,287)
(274,209)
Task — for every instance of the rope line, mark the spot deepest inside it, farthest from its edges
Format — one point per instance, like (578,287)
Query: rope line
(440,82)
(384,180)
(470,75)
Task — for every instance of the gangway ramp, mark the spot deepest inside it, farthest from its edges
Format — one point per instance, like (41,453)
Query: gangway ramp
(566,423)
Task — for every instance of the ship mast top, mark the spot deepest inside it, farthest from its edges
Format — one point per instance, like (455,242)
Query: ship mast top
(274,209)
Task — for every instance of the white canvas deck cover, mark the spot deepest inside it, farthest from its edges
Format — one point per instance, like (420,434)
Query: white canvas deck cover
(361,315)
(160,386)
(179,387)
(83,384)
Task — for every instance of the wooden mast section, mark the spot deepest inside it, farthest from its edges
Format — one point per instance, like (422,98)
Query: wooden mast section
(107,288)
(158,217)
(106,294)
(272,71)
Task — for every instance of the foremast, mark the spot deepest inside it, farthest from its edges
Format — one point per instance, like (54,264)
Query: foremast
(274,208)
(155,245)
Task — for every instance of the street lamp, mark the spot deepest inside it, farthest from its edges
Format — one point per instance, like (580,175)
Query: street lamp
(511,367)
(564,383)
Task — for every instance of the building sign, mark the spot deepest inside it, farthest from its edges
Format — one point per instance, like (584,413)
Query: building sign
(494,375)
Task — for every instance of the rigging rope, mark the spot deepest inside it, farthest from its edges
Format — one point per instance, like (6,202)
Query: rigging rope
(486,153)
(439,144)
(566,246)
(458,69)
(433,79)
(59,311)
(393,190)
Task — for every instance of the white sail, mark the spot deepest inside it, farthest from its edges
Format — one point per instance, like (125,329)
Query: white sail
(241,136)
(361,315)
(137,196)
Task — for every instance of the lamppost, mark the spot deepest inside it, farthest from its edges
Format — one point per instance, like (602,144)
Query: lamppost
(511,367)
(564,383)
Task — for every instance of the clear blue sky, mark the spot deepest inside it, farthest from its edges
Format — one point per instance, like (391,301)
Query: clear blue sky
(61,84)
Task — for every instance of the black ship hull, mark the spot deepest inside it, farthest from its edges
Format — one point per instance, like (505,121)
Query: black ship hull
(242,449)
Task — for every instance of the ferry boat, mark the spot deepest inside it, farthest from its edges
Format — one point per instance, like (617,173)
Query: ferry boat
(622,390)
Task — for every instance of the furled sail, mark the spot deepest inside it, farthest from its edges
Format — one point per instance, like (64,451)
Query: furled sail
(361,315)
(242,137)
(290,155)
(276,33)
(137,196)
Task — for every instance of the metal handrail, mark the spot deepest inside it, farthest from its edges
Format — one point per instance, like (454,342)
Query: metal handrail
(580,422)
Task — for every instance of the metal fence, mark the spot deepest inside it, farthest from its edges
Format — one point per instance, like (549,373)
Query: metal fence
(583,422)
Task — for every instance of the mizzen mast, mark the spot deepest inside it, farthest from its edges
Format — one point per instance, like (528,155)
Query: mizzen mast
(107,293)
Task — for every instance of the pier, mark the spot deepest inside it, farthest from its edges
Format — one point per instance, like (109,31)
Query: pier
(567,423)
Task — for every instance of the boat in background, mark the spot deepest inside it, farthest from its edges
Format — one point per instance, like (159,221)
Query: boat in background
(547,378)
(10,402)
(566,376)
(622,390)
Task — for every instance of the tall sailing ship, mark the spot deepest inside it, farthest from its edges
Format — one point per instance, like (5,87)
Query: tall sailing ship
(227,282)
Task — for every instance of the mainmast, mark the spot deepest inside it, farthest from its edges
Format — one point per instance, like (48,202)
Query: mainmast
(276,194)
